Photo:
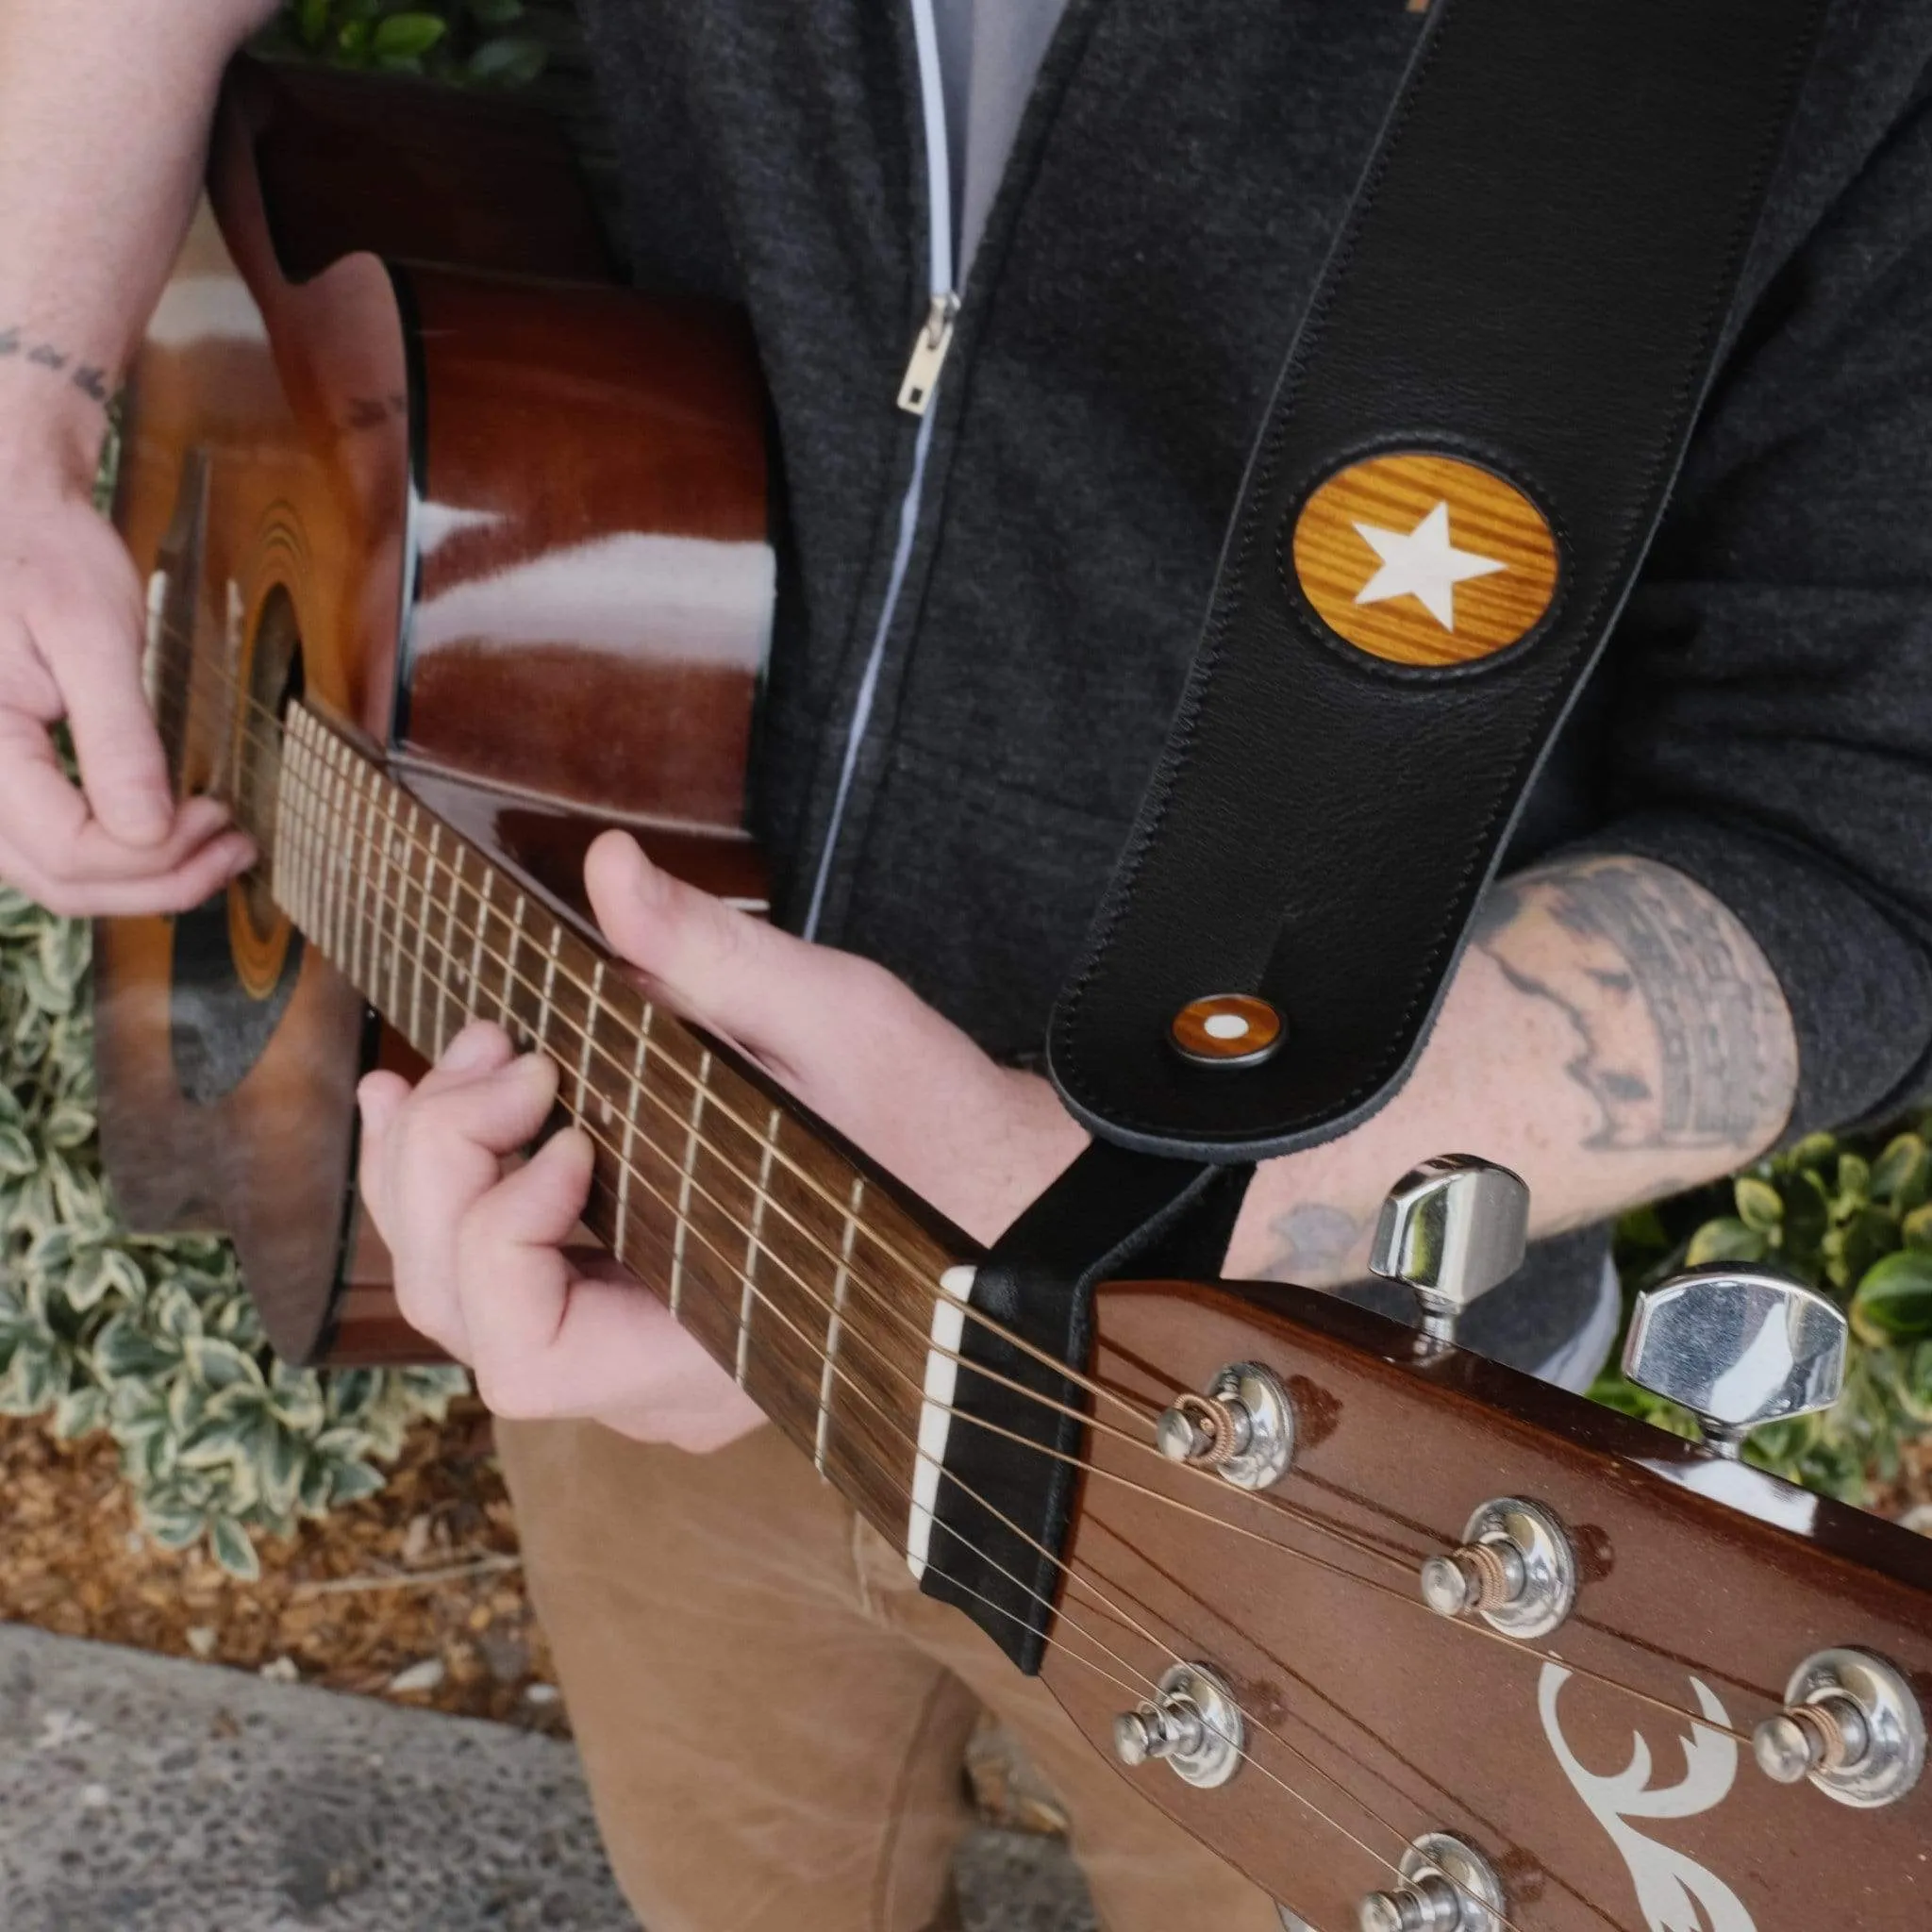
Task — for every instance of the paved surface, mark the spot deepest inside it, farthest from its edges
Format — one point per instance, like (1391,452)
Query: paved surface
(144,1794)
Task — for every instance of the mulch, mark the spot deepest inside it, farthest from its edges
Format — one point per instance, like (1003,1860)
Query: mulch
(414,1594)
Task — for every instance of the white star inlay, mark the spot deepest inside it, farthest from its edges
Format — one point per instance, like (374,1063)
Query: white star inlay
(1423,564)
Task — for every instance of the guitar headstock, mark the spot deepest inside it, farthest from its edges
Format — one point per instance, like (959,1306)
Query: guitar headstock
(1616,1614)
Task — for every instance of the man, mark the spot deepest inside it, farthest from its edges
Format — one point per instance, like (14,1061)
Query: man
(1716,927)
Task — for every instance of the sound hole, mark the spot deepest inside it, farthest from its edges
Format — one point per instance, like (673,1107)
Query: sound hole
(236,957)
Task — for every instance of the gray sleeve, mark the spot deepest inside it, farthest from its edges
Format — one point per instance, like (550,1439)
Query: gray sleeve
(1770,686)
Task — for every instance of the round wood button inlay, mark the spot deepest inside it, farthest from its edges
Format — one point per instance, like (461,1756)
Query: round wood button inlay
(1423,559)
(1227,1029)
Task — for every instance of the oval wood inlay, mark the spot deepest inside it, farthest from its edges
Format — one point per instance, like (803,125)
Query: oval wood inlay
(1424,560)
(1229,1028)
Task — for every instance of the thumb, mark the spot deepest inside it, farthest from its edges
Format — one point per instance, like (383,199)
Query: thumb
(719,966)
(97,666)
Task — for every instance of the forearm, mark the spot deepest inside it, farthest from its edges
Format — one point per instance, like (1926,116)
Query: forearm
(1612,1033)
(103,113)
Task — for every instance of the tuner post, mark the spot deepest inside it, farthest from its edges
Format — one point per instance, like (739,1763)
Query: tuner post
(1851,1724)
(1447,1886)
(1515,1569)
(1191,1724)
(1243,1427)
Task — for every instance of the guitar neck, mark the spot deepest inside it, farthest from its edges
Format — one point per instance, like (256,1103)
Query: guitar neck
(793,1262)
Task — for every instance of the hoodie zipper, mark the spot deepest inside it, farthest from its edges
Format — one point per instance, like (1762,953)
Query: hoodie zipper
(916,388)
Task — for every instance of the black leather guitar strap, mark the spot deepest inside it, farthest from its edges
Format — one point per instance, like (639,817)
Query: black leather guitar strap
(1459,473)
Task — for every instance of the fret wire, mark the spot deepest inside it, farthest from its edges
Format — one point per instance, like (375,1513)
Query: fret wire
(373,897)
(314,841)
(593,1006)
(445,996)
(333,910)
(393,800)
(370,895)
(340,858)
(544,1004)
(510,974)
(834,1322)
(631,1112)
(359,812)
(416,1032)
(699,1093)
(391,838)
(752,1243)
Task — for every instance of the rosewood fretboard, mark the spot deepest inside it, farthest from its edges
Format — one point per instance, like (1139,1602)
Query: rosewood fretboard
(791,1262)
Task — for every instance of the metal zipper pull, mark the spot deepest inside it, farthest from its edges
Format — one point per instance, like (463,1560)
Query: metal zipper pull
(929,352)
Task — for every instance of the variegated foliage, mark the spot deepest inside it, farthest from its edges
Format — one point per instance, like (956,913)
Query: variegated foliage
(154,1339)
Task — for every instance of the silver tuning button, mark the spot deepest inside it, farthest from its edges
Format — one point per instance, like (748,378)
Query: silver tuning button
(1451,1229)
(1739,1347)
(1851,1724)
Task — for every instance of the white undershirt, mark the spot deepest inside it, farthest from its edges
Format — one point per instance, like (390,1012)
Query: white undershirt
(990,56)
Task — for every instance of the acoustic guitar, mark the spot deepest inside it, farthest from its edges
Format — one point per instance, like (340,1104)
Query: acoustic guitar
(458,551)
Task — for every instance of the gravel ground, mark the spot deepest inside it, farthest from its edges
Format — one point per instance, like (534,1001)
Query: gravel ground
(140,1794)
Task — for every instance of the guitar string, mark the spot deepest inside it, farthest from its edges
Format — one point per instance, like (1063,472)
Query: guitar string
(484,907)
(1275,1505)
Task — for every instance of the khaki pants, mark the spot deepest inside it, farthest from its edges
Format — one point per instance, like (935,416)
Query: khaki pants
(772,1718)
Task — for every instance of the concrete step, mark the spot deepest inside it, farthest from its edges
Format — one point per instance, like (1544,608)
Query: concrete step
(140,1794)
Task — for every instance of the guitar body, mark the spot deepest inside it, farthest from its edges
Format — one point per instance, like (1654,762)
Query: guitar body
(398,443)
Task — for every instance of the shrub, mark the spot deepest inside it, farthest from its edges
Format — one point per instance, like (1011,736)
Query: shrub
(475,43)
(155,1340)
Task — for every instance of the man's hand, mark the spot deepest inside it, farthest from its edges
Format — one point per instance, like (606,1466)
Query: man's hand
(71,637)
(479,1256)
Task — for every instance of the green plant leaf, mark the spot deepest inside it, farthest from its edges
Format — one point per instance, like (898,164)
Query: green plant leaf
(509,61)
(496,12)
(406,36)
(233,1550)
(80,1412)
(1760,1207)
(1727,1239)
(1894,1301)
(349,1482)
(17,1155)
(1898,1166)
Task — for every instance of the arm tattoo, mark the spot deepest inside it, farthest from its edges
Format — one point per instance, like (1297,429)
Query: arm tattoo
(89,378)
(1724,1068)
(1316,1238)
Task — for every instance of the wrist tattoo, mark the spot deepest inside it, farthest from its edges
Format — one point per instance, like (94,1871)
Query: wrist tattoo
(1724,1068)
(89,378)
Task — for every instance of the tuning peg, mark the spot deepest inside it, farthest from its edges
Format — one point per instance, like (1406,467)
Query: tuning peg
(1451,1229)
(1739,1347)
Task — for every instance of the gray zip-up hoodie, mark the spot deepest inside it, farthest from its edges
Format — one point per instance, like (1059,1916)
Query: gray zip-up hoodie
(1015,629)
